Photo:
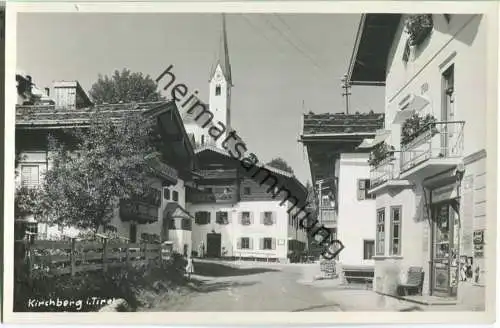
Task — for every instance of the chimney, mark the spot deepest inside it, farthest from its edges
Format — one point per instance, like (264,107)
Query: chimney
(47,92)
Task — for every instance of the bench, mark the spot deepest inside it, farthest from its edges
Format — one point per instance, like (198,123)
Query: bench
(358,273)
(414,282)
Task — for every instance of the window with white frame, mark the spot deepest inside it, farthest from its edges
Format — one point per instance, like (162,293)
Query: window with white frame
(267,243)
(244,243)
(363,188)
(380,236)
(202,218)
(267,218)
(395,242)
(246,218)
(222,217)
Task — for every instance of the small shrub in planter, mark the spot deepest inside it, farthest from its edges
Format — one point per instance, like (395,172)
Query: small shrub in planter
(416,125)
(379,153)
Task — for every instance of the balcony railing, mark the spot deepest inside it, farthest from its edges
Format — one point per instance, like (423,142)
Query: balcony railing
(437,140)
(226,195)
(218,174)
(138,211)
(327,215)
(383,171)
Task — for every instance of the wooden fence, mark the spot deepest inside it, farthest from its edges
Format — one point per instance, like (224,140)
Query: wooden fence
(73,257)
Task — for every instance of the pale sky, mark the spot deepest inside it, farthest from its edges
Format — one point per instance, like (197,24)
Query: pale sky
(279,62)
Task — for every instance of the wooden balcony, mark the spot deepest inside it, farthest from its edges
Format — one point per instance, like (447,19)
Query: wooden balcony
(435,149)
(223,195)
(218,174)
(138,211)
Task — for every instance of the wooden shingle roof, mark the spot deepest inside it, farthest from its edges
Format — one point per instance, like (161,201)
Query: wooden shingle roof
(340,123)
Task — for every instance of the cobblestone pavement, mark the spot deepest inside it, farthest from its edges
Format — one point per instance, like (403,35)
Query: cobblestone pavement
(250,287)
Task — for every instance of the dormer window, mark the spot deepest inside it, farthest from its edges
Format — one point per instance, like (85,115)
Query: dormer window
(217,90)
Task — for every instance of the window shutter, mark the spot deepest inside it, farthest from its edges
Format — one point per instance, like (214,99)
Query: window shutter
(262,215)
(250,243)
(251,217)
(261,245)
(273,243)
(238,243)
(273,216)
(240,217)
(229,216)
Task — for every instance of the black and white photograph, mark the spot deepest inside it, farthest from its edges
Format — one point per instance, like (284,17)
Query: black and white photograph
(170,163)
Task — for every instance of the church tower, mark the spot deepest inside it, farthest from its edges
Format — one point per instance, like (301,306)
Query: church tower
(220,85)
(219,104)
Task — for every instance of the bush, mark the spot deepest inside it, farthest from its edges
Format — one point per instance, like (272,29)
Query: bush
(124,282)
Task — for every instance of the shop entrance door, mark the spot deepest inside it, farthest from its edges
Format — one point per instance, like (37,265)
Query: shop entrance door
(445,231)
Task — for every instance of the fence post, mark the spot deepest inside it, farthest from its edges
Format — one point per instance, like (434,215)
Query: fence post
(29,257)
(72,256)
(105,255)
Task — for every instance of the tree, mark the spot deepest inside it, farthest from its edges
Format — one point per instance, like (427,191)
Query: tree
(124,87)
(280,164)
(105,164)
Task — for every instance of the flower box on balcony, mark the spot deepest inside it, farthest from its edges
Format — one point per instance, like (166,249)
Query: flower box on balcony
(416,128)
(380,153)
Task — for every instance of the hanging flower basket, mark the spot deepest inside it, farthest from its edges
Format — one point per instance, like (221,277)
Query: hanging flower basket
(417,125)
(418,27)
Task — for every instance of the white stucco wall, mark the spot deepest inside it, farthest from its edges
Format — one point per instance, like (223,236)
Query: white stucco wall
(461,43)
(415,238)
(356,219)
(231,232)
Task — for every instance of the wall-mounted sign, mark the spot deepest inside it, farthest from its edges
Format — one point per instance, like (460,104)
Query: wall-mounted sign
(478,237)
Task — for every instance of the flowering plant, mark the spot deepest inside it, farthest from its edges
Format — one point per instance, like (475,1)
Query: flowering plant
(418,27)
(415,126)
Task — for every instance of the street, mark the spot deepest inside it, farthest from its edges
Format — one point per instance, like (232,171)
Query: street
(251,287)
